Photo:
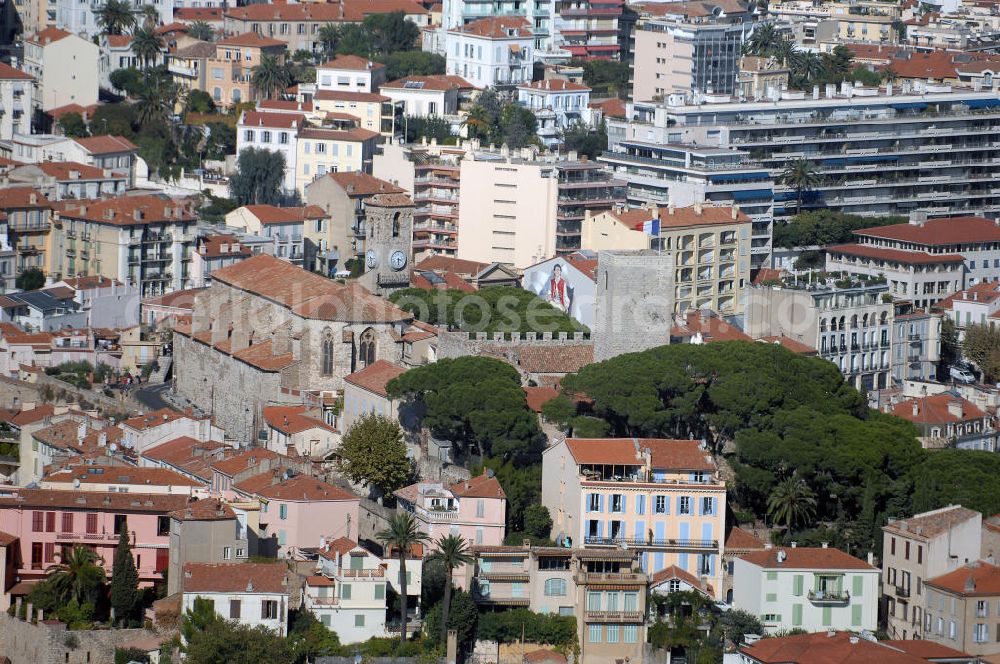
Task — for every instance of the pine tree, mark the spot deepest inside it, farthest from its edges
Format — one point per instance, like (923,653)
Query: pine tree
(124,581)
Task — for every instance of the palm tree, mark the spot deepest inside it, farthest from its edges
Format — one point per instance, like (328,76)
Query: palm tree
(155,103)
(452,551)
(401,535)
(801,175)
(147,46)
(270,77)
(792,502)
(150,16)
(201,31)
(115,17)
(329,37)
(761,39)
(806,67)
(782,50)
(77,576)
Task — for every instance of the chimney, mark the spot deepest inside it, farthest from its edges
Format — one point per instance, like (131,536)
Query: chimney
(956,408)
(736,212)
(670,209)
(916,408)
(824,544)
(697,209)
(794,544)
(970,584)
(871,558)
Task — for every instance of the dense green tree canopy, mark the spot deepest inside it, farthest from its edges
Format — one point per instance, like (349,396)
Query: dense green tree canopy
(412,63)
(825,227)
(374,454)
(514,624)
(258,177)
(961,477)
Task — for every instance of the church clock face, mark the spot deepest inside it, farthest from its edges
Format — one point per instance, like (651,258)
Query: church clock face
(371,259)
(397,261)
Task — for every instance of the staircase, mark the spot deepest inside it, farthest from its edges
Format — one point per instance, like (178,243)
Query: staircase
(160,376)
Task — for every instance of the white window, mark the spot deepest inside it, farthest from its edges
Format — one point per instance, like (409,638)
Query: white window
(227,552)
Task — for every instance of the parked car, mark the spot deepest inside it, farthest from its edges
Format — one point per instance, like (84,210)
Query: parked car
(961,374)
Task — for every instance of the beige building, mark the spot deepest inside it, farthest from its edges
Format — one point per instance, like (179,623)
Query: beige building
(761,78)
(918,549)
(228,74)
(604,589)
(371,111)
(606,231)
(322,151)
(962,609)
(65,66)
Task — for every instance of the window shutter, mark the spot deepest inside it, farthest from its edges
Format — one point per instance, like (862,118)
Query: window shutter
(858,585)
(640,505)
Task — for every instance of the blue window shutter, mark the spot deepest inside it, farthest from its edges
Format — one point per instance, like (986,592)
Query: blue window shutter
(600,529)
(587,497)
(714,503)
(640,530)
(661,531)
(706,531)
(711,564)
(685,531)
(640,505)
(601,504)
(678,504)
(624,503)
(666,504)
(700,508)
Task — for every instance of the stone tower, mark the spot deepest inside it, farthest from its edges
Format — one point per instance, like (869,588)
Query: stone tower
(635,302)
(388,242)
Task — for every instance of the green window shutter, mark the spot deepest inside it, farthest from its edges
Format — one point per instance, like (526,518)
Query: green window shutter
(827,616)
(858,583)
(796,615)
(772,597)
(856,615)
(772,576)
(379,591)
(797,583)
(345,591)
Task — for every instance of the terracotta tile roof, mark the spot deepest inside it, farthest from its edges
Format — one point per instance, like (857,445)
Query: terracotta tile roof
(272,120)
(588,266)
(544,657)
(742,540)
(26,417)
(285,105)
(357,10)
(251,40)
(768,274)
(154,419)
(210,246)
(539,396)
(294,419)
(822,648)
(482,486)
(985,292)
(65,435)
(206,509)
(235,578)
(925,649)
(937,232)
(352,11)
(306,294)
(170,28)
(894,255)
(190,455)
(358,183)
(49,35)
(34,339)
(497,27)
(306,489)
(612,108)
(8,73)
(198,13)
(375,376)
(934,409)
(128,211)
(390,200)
(98,474)
(347,95)
(684,217)
(442,82)
(119,41)
(106,144)
(95,501)
(261,355)
(244,460)
(928,525)
(675,572)
(270,214)
(317,581)
(355,135)
(71,170)
(182,299)
(449,280)
(665,453)
(791,344)
(22,197)
(451,264)
(554,85)
(973,579)
(6,539)
(555,359)
(197,51)
(352,63)
(805,557)
(709,326)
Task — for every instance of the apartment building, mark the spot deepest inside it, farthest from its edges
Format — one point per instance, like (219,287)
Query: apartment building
(65,67)
(948,419)
(17,99)
(604,589)
(204,531)
(915,550)
(688,47)
(848,322)
(114,153)
(538,15)
(976,305)
(428,96)
(144,241)
(365,393)
(660,497)
(284,226)
(589,29)
(348,592)
(475,509)
(341,236)
(846,646)
(301,431)
(491,52)
(556,105)
(893,150)
(685,175)
(70,180)
(962,609)
(187,65)
(80,17)
(322,151)
(28,215)
(368,110)
(926,259)
(229,71)
(276,132)
(808,588)
(916,347)
(251,594)
(350,73)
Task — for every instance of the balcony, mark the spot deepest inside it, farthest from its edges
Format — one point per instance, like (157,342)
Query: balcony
(902,591)
(510,576)
(499,600)
(653,542)
(829,597)
(435,515)
(613,617)
(87,537)
(609,578)
(322,601)
(362,573)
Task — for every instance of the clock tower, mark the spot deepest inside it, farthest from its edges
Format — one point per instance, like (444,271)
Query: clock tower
(388,242)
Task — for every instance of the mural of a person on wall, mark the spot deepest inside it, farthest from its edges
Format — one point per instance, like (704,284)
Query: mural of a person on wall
(559,293)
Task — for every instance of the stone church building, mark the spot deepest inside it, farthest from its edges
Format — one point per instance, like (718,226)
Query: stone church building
(266,332)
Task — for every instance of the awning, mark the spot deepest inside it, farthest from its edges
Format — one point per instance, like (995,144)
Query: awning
(515,48)
(917,105)
(751,194)
(982,103)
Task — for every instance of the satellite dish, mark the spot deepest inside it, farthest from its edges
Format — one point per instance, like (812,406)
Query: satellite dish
(76,483)
(114,447)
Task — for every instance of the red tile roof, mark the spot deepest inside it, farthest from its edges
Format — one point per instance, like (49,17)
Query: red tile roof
(285,105)
(826,648)
(928,525)
(119,41)
(252,40)
(482,486)
(128,211)
(925,649)
(665,453)
(742,540)
(352,63)
(347,95)
(6,539)
(984,292)
(49,35)
(261,355)
(554,85)
(375,376)
(612,108)
(894,255)
(31,416)
(154,419)
(539,396)
(8,73)
(270,214)
(317,581)
(354,135)
(675,572)
(208,14)
(22,197)
(789,343)
(546,360)
(685,217)
(245,460)
(544,657)
(709,326)
(497,27)
(95,501)
(440,82)
(934,409)
(306,489)
(272,120)
(266,578)
(71,170)
(293,419)
(451,264)
(210,246)
(306,294)
(805,557)
(206,509)
(98,474)
(182,299)
(358,183)
(937,232)
(973,579)
(106,144)
(190,455)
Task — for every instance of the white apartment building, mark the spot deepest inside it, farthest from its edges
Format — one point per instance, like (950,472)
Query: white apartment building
(350,73)
(912,147)
(426,96)
(491,52)
(976,305)
(17,99)
(80,16)
(252,594)
(926,259)
(539,15)
(65,66)
(809,588)
(556,104)
(277,132)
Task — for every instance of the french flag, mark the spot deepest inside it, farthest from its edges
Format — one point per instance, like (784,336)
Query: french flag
(651,227)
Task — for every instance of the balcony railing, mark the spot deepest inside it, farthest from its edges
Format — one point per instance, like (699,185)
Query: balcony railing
(363,573)
(654,542)
(89,537)
(323,601)
(613,616)
(902,591)
(598,578)
(829,596)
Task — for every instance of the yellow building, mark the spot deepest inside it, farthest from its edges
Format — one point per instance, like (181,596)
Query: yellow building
(606,231)
(373,112)
(227,74)
(322,151)
(28,219)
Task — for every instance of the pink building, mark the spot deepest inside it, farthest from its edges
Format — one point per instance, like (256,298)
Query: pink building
(300,511)
(476,509)
(47,521)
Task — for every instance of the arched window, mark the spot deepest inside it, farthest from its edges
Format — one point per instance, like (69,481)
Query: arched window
(555,587)
(327,354)
(885,317)
(395,225)
(366,349)
(822,325)
(854,321)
